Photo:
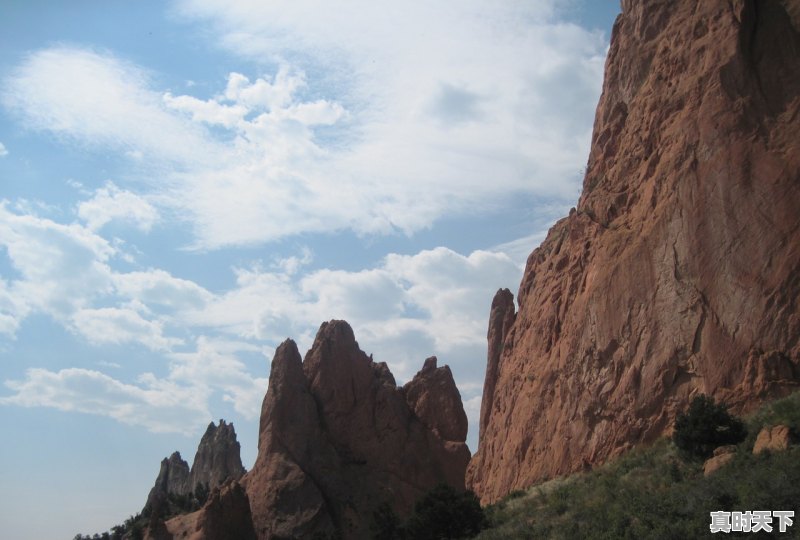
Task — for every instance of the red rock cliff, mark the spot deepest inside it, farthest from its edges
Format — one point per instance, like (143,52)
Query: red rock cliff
(679,272)
(338,438)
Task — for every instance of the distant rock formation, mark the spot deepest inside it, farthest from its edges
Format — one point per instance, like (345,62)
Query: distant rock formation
(338,438)
(679,271)
(218,457)
(173,477)
(217,460)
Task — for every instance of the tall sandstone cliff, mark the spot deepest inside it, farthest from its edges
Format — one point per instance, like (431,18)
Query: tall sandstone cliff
(679,271)
(338,437)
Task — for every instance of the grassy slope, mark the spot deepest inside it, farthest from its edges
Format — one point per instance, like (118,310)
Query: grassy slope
(654,493)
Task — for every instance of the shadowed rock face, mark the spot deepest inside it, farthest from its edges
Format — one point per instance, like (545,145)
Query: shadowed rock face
(224,516)
(173,477)
(679,271)
(338,438)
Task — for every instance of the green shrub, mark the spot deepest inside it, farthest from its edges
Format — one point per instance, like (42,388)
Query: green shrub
(445,513)
(441,514)
(705,426)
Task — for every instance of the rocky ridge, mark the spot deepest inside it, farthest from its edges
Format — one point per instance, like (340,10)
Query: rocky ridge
(217,459)
(677,273)
(338,437)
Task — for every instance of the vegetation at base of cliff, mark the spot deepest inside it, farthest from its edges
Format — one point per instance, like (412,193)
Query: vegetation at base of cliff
(131,529)
(442,513)
(660,492)
(165,508)
(706,426)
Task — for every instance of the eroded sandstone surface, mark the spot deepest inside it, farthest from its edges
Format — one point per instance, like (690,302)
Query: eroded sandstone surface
(679,270)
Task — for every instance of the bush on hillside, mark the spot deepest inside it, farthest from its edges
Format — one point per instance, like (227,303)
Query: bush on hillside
(705,426)
(442,513)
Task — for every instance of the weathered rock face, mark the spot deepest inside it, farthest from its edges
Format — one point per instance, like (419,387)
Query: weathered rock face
(774,439)
(217,460)
(338,438)
(173,477)
(225,516)
(218,457)
(433,397)
(501,317)
(679,271)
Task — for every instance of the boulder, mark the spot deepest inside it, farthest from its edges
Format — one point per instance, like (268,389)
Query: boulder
(774,439)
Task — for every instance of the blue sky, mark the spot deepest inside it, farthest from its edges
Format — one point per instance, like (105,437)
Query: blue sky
(186,184)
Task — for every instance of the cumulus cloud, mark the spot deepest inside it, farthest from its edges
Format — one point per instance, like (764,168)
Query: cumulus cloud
(3,151)
(158,405)
(158,287)
(214,365)
(121,325)
(64,271)
(177,403)
(112,203)
(405,308)
(61,267)
(351,130)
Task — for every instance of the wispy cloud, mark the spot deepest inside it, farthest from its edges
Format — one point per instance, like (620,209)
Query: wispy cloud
(158,405)
(3,150)
(343,128)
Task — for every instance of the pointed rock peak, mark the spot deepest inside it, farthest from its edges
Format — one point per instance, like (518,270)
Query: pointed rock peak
(503,297)
(429,365)
(501,317)
(433,396)
(335,358)
(384,373)
(502,306)
(287,364)
(218,457)
(175,457)
(335,337)
(336,330)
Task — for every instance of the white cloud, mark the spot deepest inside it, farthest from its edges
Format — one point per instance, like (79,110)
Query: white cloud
(112,203)
(214,365)
(3,150)
(158,405)
(157,287)
(121,325)
(377,119)
(61,267)
(405,308)
(96,98)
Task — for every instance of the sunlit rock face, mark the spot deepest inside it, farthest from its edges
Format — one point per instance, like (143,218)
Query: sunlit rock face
(679,270)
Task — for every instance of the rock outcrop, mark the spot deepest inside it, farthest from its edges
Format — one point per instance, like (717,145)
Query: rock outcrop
(721,457)
(338,438)
(217,459)
(678,273)
(225,516)
(173,477)
(773,439)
